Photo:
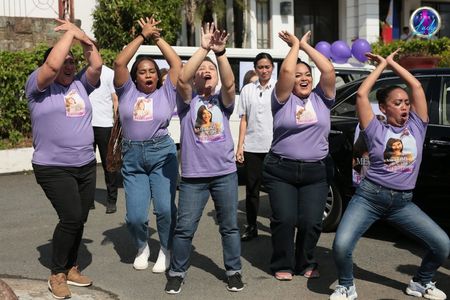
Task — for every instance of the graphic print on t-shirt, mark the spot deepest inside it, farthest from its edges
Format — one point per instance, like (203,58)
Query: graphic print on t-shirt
(208,125)
(75,106)
(143,109)
(400,151)
(305,114)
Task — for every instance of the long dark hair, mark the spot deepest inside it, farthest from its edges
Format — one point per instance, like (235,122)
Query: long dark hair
(139,59)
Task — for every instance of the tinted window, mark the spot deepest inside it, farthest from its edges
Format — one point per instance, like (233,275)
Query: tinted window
(446,103)
(346,100)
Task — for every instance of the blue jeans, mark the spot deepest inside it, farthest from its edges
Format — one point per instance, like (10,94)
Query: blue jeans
(298,194)
(194,194)
(150,172)
(372,202)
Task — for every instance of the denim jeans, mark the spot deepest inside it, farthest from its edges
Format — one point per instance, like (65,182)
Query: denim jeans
(71,190)
(297,193)
(150,172)
(372,202)
(194,194)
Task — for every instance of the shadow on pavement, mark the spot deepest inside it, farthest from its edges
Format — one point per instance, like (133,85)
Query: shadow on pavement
(84,256)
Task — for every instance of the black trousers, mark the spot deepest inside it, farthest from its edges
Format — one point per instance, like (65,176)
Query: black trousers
(71,190)
(298,194)
(101,138)
(253,169)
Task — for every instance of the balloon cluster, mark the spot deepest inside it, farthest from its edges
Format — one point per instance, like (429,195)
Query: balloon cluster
(339,52)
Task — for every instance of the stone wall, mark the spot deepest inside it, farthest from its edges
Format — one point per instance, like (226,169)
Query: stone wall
(17,33)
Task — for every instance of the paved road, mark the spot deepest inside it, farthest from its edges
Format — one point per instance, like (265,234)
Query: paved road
(385,260)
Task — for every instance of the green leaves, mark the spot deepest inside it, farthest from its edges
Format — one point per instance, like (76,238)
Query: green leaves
(115,20)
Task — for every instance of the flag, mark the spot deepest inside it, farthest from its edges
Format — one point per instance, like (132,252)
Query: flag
(386,29)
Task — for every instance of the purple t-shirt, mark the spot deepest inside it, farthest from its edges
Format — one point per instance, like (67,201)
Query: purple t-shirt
(395,153)
(301,126)
(207,148)
(61,122)
(145,116)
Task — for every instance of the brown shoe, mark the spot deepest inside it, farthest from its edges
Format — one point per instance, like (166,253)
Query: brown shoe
(58,286)
(74,277)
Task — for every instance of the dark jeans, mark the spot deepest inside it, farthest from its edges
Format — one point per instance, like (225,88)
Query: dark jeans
(101,139)
(297,193)
(71,190)
(253,171)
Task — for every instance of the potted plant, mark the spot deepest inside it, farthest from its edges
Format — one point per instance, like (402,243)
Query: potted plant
(416,53)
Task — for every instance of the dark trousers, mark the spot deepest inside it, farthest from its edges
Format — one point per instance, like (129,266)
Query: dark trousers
(101,139)
(253,171)
(297,193)
(71,190)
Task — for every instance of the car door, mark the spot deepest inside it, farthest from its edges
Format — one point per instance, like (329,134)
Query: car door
(432,191)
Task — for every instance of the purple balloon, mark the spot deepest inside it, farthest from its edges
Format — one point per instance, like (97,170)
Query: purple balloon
(359,48)
(324,48)
(340,52)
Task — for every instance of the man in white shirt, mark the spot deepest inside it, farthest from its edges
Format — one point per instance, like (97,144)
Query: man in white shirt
(104,104)
(255,135)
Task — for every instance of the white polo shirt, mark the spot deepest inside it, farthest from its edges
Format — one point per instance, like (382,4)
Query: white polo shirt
(255,104)
(101,100)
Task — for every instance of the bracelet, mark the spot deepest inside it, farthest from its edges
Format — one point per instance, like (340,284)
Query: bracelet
(143,36)
(219,54)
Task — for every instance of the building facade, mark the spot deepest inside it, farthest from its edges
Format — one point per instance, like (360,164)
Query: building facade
(257,26)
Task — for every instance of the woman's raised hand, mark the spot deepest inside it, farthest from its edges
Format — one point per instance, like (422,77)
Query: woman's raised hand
(207,35)
(390,57)
(77,32)
(219,41)
(149,27)
(289,38)
(305,39)
(376,58)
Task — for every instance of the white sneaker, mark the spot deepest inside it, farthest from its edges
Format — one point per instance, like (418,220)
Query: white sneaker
(141,260)
(429,290)
(344,293)
(163,261)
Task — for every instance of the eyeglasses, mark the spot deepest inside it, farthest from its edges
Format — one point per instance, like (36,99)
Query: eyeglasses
(267,67)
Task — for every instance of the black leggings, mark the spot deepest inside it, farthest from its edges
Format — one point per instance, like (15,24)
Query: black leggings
(71,190)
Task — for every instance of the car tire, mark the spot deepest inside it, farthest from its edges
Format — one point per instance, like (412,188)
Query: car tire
(333,209)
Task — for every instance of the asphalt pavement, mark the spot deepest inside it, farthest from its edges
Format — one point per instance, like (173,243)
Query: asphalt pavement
(384,259)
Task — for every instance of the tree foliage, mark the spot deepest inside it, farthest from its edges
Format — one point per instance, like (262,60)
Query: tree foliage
(115,20)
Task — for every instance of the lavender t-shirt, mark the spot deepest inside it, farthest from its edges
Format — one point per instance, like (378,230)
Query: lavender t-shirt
(301,126)
(61,122)
(395,153)
(206,141)
(145,116)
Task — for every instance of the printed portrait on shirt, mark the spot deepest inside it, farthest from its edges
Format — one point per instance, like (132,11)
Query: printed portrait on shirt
(75,106)
(209,122)
(360,155)
(400,152)
(305,114)
(143,109)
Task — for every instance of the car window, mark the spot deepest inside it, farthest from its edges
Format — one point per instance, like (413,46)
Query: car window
(347,107)
(446,103)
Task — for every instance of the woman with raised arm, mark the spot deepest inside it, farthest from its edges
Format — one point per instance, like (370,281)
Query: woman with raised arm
(150,167)
(386,192)
(207,160)
(63,160)
(295,172)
